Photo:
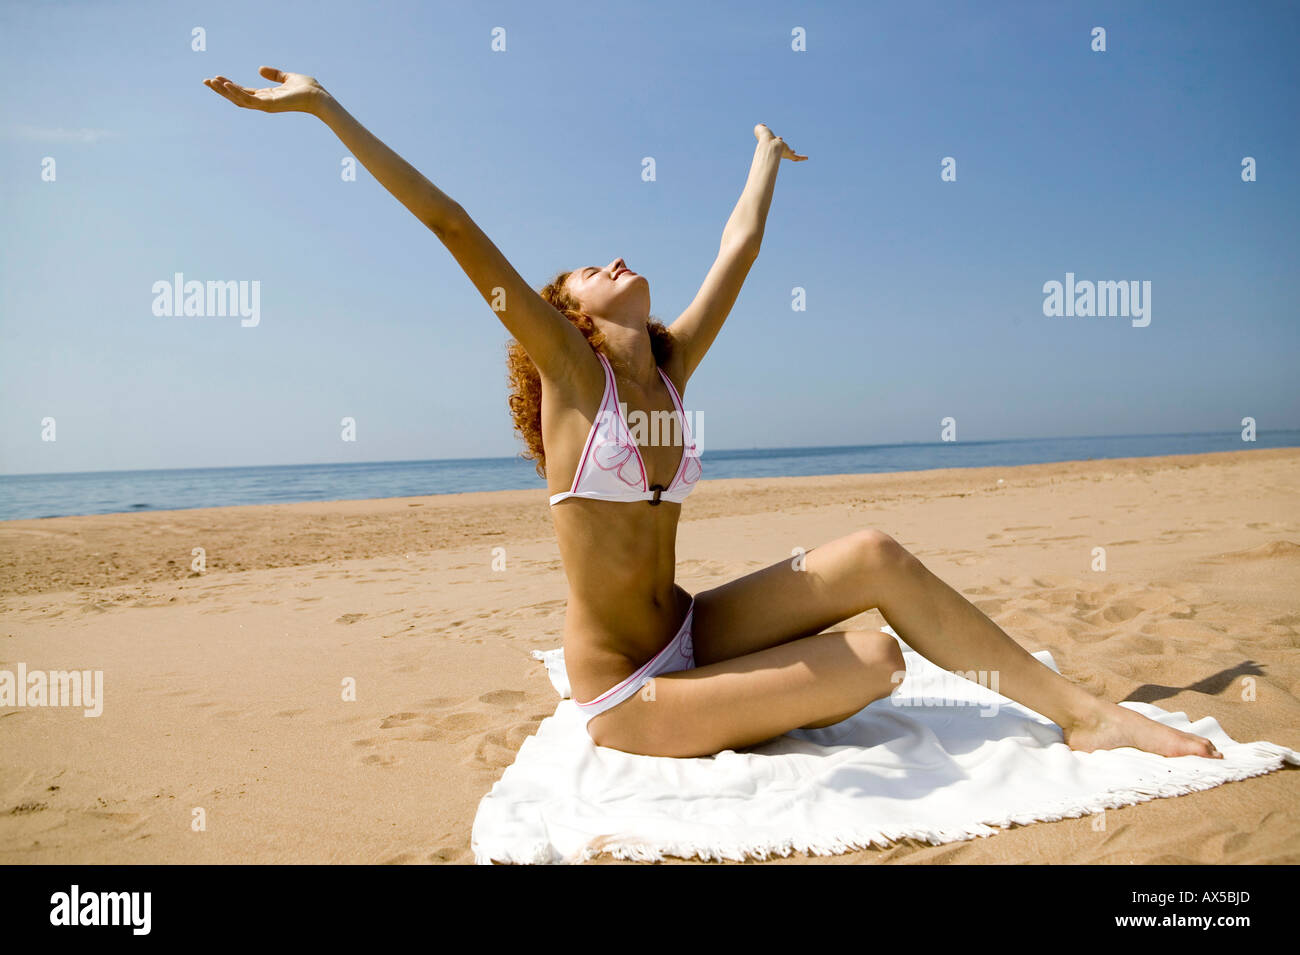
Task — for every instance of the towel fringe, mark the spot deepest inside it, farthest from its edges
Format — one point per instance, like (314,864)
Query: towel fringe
(1266,757)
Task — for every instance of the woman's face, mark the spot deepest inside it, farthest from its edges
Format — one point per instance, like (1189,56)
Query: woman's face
(612,292)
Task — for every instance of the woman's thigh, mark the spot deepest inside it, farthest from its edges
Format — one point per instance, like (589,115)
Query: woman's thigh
(795,598)
(814,681)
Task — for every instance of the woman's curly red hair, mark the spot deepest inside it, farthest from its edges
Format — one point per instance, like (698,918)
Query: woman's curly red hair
(526,383)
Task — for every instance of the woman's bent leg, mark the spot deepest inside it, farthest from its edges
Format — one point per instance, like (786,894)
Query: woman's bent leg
(870,569)
(812,682)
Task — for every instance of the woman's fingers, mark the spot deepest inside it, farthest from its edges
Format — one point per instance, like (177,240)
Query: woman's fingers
(271,73)
(762,132)
(216,87)
(788,153)
(217,83)
(238,94)
(234,89)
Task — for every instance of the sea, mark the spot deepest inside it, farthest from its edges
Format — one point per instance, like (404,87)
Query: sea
(109,492)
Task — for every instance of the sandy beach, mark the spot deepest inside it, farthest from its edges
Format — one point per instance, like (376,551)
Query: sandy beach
(223,688)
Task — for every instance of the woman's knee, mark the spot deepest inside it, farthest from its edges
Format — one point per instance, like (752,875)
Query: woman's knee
(883,659)
(879,668)
(893,667)
(876,551)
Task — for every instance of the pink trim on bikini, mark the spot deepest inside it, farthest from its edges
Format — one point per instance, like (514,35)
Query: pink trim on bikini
(591,434)
(674,642)
(687,437)
(621,420)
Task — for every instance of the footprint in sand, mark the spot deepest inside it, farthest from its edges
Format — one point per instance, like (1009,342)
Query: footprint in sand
(465,720)
(503,697)
(349,618)
(1119,611)
(497,749)
(457,722)
(493,752)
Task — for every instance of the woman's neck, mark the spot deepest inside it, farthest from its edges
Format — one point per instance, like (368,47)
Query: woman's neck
(630,350)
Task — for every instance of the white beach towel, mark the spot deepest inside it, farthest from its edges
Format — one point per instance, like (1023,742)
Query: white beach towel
(941,760)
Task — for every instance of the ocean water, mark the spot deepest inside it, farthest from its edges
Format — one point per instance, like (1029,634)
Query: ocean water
(105,492)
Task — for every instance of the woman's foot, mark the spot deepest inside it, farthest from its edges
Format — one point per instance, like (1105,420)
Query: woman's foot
(1113,726)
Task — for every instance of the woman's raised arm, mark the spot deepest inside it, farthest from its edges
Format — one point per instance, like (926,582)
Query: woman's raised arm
(697,327)
(551,340)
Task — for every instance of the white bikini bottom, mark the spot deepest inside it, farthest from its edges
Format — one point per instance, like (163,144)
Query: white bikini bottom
(678,655)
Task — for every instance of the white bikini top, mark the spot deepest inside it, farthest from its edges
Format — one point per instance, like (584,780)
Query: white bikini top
(611,468)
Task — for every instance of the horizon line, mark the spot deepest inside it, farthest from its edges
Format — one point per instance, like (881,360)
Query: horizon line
(521,459)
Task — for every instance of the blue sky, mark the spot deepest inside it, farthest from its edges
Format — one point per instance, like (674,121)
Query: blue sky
(924,297)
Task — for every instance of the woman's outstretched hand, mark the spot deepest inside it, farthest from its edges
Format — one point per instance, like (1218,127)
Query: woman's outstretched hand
(295,94)
(763,135)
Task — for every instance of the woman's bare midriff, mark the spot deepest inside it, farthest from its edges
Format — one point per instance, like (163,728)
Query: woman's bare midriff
(624,605)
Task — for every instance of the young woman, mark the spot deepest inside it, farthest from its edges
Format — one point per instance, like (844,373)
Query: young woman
(655,670)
